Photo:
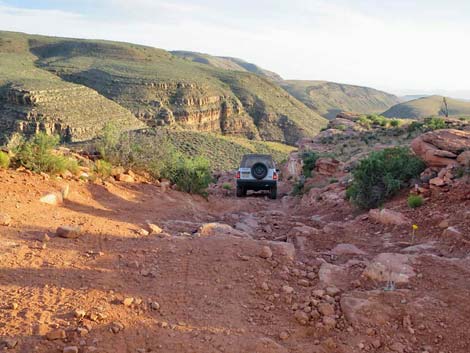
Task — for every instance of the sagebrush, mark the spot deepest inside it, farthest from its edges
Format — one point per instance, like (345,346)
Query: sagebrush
(37,154)
(382,174)
(415,201)
(154,153)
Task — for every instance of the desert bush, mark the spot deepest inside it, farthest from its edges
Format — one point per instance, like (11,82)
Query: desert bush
(415,126)
(415,201)
(108,142)
(103,168)
(376,119)
(227,186)
(4,160)
(154,153)
(298,188)
(381,175)
(37,154)
(435,123)
(309,159)
(395,123)
(364,122)
(192,175)
(151,152)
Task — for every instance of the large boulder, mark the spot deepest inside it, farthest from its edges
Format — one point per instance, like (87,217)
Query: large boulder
(388,217)
(366,309)
(294,165)
(455,141)
(218,229)
(441,148)
(328,166)
(464,158)
(341,124)
(390,267)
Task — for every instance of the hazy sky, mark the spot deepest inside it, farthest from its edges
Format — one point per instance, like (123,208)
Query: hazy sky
(403,46)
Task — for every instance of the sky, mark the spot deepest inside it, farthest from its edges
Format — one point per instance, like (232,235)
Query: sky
(400,46)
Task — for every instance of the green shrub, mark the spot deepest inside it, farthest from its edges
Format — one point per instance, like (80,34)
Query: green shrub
(37,154)
(192,175)
(4,160)
(394,123)
(103,168)
(227,186)
(108,141)
(364,122)
(341,127)
(435,123)
(298,188)
(382,174)
(378,120)
(415,201)
(309,159)
(151,152)
(415,126)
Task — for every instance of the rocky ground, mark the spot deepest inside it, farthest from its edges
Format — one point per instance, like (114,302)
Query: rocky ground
(141,268)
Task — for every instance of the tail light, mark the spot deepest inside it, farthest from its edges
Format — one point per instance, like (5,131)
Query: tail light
(238,175)
(275,176)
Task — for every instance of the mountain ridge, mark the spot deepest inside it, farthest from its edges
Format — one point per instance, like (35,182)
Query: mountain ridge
(427,107)
(329,98)
(157,87)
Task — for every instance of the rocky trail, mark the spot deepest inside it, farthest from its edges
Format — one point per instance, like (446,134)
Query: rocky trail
(136,268)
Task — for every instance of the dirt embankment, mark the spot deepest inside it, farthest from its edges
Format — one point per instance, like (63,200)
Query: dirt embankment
(259,276)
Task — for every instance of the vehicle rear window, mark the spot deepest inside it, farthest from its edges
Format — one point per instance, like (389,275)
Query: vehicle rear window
(248,161)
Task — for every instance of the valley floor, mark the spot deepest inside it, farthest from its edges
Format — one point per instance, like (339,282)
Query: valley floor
(115,289)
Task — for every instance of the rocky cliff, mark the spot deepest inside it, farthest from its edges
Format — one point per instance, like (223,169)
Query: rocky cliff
(76,113)
(72,86)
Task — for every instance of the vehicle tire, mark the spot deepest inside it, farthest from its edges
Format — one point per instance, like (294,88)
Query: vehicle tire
(240,191)
(259,170)
(273,193)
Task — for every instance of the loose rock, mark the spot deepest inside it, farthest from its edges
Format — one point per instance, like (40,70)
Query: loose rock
(69,232)
(70,349)
(266,252)
(55,335)
(53,198)
(301,317)
(5,220)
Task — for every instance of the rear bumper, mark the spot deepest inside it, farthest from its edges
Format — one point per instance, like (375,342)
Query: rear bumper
(257,184)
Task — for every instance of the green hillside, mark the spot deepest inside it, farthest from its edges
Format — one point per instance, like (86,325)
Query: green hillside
(428,106)
(329,98)
(224,152)
(158,88)
(226,63)
(77,85)
(32,99)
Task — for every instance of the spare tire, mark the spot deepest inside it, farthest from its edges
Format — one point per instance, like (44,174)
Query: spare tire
(259,170)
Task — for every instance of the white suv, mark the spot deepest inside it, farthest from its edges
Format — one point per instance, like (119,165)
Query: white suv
(257,172)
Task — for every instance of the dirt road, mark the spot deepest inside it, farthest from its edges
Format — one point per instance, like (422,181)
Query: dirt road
(116,288)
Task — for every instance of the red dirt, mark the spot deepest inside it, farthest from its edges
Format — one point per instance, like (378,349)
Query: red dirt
(216,294)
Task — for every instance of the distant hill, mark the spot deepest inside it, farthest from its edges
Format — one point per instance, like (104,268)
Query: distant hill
(226,63)
(329,98)
(428,106)
(46,84)
(411,97)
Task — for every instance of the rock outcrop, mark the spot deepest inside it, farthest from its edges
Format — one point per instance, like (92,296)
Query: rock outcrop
(442,148)
(388,217)
(74,112)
